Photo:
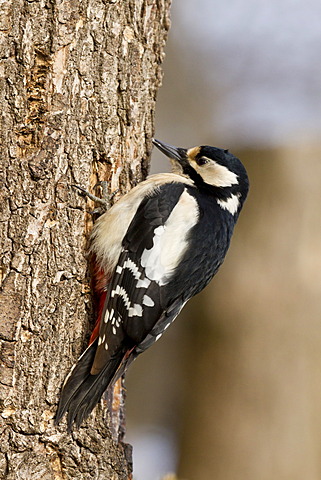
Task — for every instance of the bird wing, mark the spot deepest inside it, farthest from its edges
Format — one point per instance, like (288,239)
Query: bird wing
(137,310)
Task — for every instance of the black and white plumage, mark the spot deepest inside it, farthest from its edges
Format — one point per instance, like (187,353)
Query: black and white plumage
(158,246)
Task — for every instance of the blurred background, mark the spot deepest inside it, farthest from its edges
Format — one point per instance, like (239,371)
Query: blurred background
(233,390)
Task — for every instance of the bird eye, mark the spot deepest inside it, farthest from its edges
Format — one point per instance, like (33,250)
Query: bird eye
(202,161)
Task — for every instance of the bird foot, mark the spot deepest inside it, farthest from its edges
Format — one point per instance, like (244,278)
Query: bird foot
(104,201)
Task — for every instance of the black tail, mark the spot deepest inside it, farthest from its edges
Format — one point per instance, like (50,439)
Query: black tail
(81,390)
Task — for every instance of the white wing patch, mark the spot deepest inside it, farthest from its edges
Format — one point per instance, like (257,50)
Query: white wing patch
(148,301)
(122,293)
(133,311)
(143,283)
(133,268)
(231,204)
(170,240)
(103,340)
(110,228)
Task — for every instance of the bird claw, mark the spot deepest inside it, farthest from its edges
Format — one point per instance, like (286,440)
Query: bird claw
(104,201)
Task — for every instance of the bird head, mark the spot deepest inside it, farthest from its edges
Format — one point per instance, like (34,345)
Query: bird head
(212,169)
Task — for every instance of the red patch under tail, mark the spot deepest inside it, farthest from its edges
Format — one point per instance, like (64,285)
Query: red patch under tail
(100,280)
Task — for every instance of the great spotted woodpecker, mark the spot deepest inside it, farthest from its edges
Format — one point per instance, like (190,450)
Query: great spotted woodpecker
(156,247)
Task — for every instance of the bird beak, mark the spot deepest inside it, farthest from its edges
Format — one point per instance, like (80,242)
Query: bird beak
(175,153)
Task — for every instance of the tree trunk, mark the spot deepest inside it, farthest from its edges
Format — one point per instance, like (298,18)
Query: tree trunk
(78,88)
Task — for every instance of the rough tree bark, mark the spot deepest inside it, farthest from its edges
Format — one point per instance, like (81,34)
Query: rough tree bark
(78,88)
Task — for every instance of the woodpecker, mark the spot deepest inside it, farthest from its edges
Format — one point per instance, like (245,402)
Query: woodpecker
(157,247)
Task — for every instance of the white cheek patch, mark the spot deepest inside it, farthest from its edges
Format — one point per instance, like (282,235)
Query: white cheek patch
(231,204)
(215,174)
(170,240)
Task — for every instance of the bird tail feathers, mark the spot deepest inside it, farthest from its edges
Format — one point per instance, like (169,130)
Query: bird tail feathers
(82,390)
